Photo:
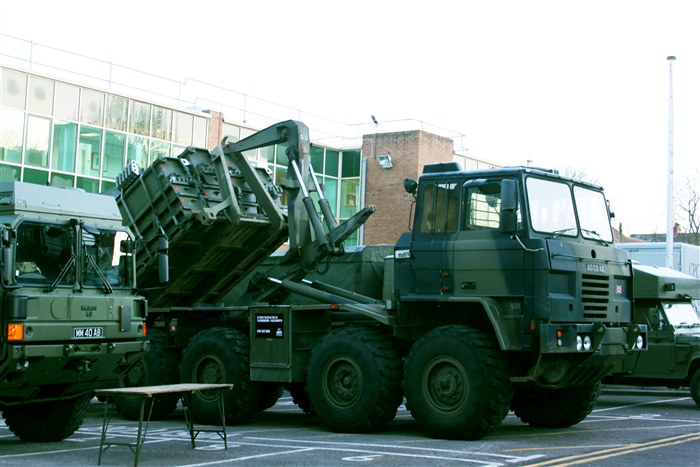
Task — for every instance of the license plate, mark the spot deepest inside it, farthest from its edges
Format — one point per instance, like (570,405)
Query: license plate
(88,333)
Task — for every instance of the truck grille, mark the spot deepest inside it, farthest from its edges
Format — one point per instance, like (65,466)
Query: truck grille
(595,296)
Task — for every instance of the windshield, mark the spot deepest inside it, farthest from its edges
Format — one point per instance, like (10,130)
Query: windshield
(593,214)
(681,315)
(48,254)
(551,207)
(553,210)
(100,263)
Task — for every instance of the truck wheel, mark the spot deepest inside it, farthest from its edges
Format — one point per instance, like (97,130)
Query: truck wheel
(220,355)
(695,387)
(158,366)
(354,380)
(269,395)
(47,421)
(554,408)
(300,396)
(456,384)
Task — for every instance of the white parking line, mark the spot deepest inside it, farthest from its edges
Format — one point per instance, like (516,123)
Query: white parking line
(659,401)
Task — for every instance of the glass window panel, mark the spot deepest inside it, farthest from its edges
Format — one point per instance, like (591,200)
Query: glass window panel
(182,128)
(282,158)
(65,146)
(40,95)
(351,164)
(39,177)
(61,180)
(67,99)
(161,127)
(199,138)
(349,197)
(89,148)
(9,172)
(90,185)
(116,108)
(139,118)
(11,134)
(330,191)
(551,207)
(317,159)
(158,149)
(177,150)
(113,160)
(37,144)
(331,163)
(107,186)
(14,89)
(92,107)
(232,132)
(268,153)
(137,150)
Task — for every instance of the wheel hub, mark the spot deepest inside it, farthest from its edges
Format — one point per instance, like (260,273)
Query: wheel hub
(447,385)
(344,383)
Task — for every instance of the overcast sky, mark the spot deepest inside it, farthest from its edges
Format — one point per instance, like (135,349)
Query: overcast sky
(572,85)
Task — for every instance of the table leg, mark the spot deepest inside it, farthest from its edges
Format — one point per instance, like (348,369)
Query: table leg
(222,412)
(105,425)
(186,399)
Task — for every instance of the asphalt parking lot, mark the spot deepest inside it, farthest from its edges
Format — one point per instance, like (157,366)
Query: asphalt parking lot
(628,427)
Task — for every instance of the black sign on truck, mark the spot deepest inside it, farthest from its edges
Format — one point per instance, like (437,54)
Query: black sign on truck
(269,326)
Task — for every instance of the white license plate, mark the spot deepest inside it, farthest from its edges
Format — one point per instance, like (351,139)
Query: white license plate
(88,333)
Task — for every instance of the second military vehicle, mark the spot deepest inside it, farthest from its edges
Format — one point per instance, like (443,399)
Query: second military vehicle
(71,321)
(663,302)
(506,293)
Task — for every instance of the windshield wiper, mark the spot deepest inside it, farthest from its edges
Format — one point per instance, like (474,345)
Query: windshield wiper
(105,282)
(563,231)
(595,235)
(64,270)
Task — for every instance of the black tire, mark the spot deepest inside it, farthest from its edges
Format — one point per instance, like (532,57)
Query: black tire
(269,395)
(695,387)
(47,421)
(354,380)
(220,355)
(554,408)
(158,366)
(300,396)
(456,384)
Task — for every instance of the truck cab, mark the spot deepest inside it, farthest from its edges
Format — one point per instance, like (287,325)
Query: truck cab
(529,252)
(71,319)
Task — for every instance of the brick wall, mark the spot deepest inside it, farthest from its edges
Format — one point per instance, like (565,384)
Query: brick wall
(216,129)
(409,152)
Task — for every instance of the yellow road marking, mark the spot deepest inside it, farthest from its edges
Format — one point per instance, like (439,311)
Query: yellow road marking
(619,451)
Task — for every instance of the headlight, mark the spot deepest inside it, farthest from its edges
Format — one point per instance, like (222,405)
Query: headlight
(579,343)
(587,343)
(640,343)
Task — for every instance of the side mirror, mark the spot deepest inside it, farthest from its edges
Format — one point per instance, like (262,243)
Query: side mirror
(163,263)
(509,207)
(410,186)
(126,246)
(7,272)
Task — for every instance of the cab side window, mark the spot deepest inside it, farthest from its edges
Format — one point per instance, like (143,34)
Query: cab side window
(439,208)
(483,206)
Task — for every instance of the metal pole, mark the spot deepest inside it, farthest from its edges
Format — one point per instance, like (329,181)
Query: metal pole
(669,194)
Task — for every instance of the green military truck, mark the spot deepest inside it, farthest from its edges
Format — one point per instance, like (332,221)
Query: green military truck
(663,302)
(506,293)
(71,321)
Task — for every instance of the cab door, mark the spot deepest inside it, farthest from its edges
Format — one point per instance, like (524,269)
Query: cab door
(437,220)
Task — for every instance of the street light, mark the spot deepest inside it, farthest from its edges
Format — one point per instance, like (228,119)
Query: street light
(669,194)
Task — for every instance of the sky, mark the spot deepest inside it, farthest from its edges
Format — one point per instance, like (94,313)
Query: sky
(578,86)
